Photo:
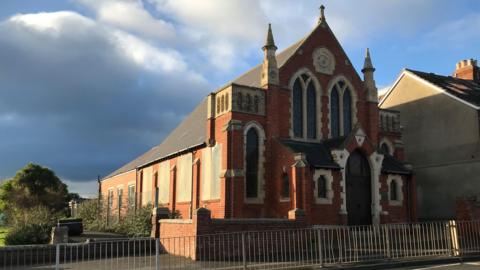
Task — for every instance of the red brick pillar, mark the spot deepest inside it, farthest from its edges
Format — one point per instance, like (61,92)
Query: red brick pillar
(196,185)
(298,179)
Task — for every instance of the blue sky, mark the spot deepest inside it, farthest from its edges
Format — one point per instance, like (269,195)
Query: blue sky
(87,85)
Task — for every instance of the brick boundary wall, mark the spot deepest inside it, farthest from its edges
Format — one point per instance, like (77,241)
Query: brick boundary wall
(468,208)
(190,237)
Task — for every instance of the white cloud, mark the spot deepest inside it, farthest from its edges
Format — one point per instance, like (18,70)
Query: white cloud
(51,21)
(130,15)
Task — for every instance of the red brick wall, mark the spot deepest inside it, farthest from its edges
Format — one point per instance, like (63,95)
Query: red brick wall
(468,208)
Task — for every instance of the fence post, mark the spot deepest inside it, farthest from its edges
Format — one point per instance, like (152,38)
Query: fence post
(157,252)
(244,255)
(57,257)
(387,240)
(320,249)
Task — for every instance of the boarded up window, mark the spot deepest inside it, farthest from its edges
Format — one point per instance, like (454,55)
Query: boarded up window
(147,186)
(164,182)
(211,168)
(184,178)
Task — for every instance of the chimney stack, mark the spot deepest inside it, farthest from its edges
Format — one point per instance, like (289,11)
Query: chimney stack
(467,70)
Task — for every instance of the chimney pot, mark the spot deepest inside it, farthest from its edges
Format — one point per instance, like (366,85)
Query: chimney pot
(467,69)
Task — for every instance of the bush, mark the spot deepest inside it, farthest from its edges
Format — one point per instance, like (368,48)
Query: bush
(136,223)
(91,212)
(29,234)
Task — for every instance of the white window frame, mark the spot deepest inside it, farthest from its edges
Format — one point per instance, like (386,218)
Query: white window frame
(329,177)
(398,180)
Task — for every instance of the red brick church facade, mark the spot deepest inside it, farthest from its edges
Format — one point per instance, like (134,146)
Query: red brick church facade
(302,130)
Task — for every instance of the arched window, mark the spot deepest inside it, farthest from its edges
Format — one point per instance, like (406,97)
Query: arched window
(252,160)
(297,109)
(342,109)
(334,112)
(322,191)
(384,148)
(347,112)
(394,191)
(285,186)
(311,112)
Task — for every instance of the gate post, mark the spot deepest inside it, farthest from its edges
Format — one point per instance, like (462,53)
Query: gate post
(57,257)
(157,251)
(452,225)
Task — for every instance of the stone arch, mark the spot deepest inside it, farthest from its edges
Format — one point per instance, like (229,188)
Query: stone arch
(318,101)
(261,160)
(354,99)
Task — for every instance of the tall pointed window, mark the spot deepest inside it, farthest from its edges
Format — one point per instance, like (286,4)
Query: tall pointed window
(305,102)
(342,109)
(347,112)
(334,113)
(297,109)
(311,112)
(252,160)
(393,191)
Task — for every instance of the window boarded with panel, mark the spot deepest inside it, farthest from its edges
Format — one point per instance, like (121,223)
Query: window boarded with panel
(147,186)
(211,168)
(184,178)
(164,182)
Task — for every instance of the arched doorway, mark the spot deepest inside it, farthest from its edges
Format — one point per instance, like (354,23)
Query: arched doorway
(358,190)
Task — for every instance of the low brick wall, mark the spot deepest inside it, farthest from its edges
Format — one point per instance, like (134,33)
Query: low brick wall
(468,208)
(196,238)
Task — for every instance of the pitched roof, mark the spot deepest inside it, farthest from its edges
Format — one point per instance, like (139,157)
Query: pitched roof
(252,77)
(467,91)
(391,165)
(191,132)
(317,154)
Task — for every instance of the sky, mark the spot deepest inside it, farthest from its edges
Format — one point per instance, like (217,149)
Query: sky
(88,85)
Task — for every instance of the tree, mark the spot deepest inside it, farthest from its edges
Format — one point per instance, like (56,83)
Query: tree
(33,186)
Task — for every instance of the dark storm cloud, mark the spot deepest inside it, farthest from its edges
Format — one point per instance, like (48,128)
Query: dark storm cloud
(72,96)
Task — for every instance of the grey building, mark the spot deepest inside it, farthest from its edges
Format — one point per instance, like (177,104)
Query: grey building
(441,134)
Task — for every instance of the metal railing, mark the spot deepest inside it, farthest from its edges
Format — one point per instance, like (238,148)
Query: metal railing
(273,249)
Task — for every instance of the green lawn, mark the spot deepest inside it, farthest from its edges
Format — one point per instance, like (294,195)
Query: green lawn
(3,233)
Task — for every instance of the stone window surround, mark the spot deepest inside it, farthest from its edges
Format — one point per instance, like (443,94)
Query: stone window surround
(391,147)
(398,180)
(354,97)
(261,161)
(329,177)
(318,97)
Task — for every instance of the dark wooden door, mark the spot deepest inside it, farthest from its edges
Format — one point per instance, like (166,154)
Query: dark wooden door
(358,190)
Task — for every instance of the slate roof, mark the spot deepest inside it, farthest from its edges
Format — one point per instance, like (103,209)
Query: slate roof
(319,155)
(392,165)
(190,133)
(466,90)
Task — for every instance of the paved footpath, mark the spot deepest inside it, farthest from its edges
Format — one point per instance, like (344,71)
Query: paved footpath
(453,266)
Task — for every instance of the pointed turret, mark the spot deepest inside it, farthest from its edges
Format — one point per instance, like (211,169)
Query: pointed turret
(322,15)
(368,78)
(269,66)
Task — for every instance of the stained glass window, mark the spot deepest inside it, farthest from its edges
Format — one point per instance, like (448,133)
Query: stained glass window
(297,109)
(347,112)
(334,113)
(311,112)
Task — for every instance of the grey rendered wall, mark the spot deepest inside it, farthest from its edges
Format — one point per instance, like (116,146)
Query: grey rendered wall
(441,139)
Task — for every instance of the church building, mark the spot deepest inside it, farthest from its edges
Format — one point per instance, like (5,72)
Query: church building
(300,131)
